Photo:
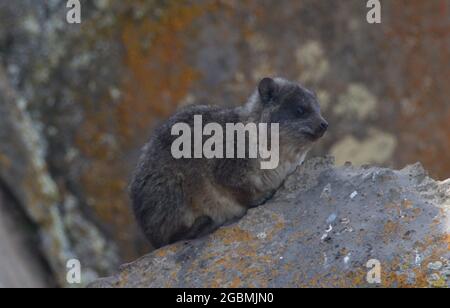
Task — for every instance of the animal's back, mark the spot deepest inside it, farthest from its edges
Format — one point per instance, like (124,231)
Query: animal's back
(165,191)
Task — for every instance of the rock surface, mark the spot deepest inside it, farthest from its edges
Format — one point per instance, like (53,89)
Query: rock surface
(320,230)
(20,266)
(63,231)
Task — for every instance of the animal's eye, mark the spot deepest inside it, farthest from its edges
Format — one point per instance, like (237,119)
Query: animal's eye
(300,111)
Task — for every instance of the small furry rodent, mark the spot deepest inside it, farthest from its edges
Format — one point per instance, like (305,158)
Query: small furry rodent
(179,199)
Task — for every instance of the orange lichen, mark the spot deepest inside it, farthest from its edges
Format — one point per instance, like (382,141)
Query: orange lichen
(167,250)
(232,235)
(160,76)
(391,229)
(236,282)
(422,122)
(157,76)
(407,204)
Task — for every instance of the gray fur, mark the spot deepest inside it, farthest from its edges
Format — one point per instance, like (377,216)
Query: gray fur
(178,199)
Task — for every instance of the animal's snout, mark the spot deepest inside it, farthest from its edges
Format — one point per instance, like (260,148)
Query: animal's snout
(321,128)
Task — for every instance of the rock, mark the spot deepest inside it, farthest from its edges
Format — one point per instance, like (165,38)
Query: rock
(19,267)
(404,231)
(64,233)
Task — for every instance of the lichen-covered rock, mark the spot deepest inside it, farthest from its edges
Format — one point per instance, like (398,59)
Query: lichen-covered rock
(64,232)
(320,230)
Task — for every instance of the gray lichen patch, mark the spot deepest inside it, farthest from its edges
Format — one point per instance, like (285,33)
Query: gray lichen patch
(357,102)
(312,62)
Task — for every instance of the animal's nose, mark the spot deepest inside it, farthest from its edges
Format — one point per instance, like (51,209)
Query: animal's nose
(323,126)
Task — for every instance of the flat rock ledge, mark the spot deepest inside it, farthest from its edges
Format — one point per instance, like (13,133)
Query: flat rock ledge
(327,226)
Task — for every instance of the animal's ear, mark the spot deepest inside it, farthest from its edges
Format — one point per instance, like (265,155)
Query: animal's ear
(267,89)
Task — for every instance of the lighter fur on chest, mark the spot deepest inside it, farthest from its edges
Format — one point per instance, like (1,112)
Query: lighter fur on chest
(290,159)
(221,205)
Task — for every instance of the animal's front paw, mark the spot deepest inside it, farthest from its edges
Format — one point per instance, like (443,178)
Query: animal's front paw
(263,199)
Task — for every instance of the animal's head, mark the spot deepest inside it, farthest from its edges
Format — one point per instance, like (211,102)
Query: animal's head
(294,107)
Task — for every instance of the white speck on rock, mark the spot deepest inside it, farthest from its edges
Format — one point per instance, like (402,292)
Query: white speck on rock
(418,259)
(347,258)
(435,266)
(325,235)
(353,195)
(261,235)
(345,221)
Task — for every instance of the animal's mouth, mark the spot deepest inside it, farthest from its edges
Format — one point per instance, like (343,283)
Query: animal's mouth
(311,136)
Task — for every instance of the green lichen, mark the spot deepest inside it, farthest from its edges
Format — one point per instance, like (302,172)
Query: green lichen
(357,102)
(312,62)
(378,147)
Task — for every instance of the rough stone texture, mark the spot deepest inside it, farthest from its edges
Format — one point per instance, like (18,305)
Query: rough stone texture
(320,230)
(63,231)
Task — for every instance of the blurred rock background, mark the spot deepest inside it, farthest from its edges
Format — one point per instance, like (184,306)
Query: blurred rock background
(78,101)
